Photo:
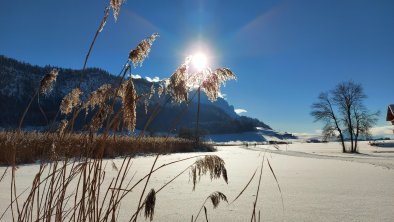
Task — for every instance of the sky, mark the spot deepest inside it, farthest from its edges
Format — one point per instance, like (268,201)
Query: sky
(284,52)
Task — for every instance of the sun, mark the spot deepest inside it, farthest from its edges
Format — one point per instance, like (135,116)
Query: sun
(199,61)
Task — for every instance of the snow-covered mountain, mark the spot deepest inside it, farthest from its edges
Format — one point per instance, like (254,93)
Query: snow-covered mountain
(19,81)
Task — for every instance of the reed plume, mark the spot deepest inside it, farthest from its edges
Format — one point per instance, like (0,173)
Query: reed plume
(216,197)
(47,82)
(62,127)
(99,117)
(122,89)
(211,87)
(137,55)
(224,74)
(98,97)
(152,91)
(146,105)
(178,83)
(149,203)
(114,167)
(160,90)
(115,5)
(213,165)
(70,101)
(211,84)
(129,104)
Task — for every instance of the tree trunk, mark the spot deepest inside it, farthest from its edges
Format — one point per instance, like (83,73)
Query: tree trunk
(342,140)
(356,137)
(339,130)
(355,144)
(350,129)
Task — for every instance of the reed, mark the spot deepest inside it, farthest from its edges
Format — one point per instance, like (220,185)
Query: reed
(31,147)
(72,168)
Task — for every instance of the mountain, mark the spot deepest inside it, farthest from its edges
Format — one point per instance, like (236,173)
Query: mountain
(19,81)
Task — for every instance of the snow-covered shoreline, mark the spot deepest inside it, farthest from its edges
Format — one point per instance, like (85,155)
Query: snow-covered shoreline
(318,183)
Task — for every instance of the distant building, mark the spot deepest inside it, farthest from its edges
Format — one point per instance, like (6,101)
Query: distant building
(390,113)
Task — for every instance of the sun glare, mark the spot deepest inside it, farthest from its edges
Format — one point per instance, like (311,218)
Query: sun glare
(199,61)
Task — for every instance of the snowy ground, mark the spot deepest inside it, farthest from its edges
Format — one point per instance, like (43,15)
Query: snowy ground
(318,184)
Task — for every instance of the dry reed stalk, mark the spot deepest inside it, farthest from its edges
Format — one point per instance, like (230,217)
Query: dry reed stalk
(27,109)
(4,173)
(115,5)
(129,105)
(257,192)
(104,21)
(99,30)
(149,203)
(178,83)
(118,92)
(206,213)
(138,55)
(224,74)
(90,174)
(99,117)
(152,91)
(216,198)
(127,190)
(153,115)
(211,84)
(213,165)
(70,101)
(143,191)
(47,82)
(146,105)
(277,183)
(180,115)
(98,97)
(246,186)
(33,147)
(160,90)
(62,127)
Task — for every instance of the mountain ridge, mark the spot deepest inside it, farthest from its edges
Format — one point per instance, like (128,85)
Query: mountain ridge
(19,80)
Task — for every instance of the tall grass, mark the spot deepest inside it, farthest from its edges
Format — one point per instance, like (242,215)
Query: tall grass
(32,147)
(69,184)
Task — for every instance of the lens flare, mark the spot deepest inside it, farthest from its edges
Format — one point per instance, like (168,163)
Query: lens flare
(199,61)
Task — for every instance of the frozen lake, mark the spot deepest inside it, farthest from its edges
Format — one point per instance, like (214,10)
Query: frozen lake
(318,183)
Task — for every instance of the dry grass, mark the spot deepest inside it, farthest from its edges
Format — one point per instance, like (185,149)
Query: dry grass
(214,165)
(139,54)
(69,183)
(47,82)
(178,83)
(32,147)
(70,101)
(66,190)
(129,105)
(215,197)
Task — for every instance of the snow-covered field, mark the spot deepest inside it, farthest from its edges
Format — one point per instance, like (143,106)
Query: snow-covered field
(318,183)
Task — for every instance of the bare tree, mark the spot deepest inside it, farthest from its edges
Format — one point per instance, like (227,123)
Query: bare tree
(343,111)
(363,123)
(323,111)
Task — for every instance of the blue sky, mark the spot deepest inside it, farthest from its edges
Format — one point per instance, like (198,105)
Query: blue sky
(284,52)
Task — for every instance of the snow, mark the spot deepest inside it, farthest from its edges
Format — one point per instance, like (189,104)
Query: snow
(154,79)
(260,135)
(240,111)
(318,183)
